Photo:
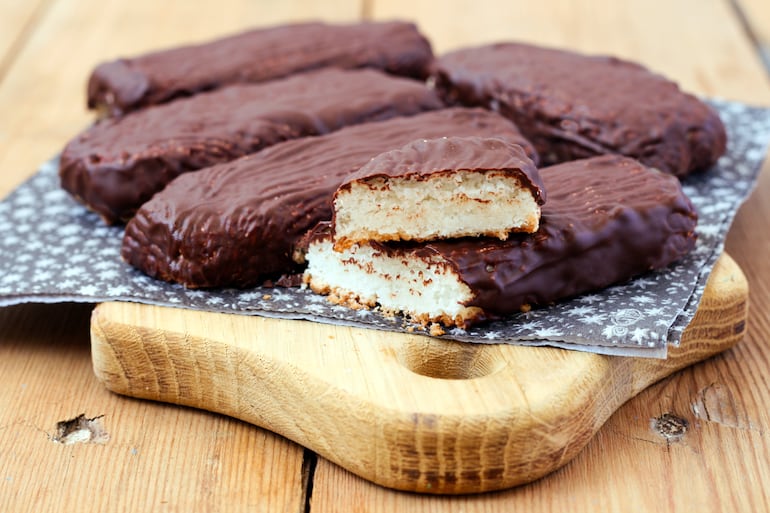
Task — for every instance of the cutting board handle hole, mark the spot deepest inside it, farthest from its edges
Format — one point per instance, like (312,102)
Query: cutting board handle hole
(444,359)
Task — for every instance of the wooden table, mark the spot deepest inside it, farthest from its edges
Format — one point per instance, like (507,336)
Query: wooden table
(167,458)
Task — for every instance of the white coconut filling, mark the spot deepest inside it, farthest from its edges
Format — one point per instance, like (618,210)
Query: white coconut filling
(463,203)
(362,275)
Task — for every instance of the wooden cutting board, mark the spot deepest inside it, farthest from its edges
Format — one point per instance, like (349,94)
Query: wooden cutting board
(405,411)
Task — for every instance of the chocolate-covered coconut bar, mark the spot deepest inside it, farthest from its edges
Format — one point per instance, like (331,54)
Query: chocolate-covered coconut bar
(123,85)
(440,188)
(607,219)
(117,164)
(236,224)
(575,106)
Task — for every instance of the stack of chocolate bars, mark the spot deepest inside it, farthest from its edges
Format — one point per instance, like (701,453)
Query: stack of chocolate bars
(451,189)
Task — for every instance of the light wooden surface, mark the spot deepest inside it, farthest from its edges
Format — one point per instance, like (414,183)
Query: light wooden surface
(755,14)
(156,458)
(403,411)
(42,96)
(167,458)
(17,21)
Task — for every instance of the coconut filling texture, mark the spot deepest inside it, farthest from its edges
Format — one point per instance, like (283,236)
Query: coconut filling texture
(443,205)
(363,276)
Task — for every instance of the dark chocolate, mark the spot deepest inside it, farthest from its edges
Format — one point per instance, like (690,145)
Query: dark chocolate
(575,106)
(118,164)
(426,157)
(607,219)
(236,224)
(122,85)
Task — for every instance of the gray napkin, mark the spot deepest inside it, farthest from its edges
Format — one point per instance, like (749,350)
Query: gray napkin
(53,250)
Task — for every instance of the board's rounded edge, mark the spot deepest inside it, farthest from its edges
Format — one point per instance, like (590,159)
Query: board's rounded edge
(430,453)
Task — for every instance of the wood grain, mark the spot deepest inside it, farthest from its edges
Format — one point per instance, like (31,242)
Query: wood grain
(718,467)
(50,71)
(404,411)
(17,21)
(706,53)
(756,14)
(627,466)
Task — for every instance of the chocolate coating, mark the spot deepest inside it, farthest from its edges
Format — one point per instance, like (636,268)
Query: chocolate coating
(426,157)
(574,106)
(118,164)
(236,224)
(258,55)
(607,220)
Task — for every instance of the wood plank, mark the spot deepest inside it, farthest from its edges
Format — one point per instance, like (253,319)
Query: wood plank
(17,21)
(757,16)
(158,458)
(706,53)
(43,101)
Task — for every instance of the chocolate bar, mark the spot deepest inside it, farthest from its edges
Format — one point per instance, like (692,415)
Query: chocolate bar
(123,85)
(574,106)
(236,224)
(118,164)
(440,188)
(607,219)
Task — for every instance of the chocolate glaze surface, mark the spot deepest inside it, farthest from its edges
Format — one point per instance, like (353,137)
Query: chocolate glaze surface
(575,106)
(426,157)
(235,224)
(607,220)
(123,85)
(119,163)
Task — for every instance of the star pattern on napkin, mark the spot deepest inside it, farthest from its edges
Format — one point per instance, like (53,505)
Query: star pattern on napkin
(53,249)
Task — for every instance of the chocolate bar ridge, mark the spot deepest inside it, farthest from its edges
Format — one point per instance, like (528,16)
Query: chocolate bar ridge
(123,85)
(236,224)
(574,106)
(117,164)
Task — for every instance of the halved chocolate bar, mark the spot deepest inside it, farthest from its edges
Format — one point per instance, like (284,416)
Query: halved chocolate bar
(123,85)
(118,164)
(607,220)
(236,224)
(575,106)
(440,188)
